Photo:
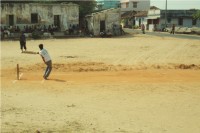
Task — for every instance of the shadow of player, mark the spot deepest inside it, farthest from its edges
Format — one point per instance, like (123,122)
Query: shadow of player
(57,80)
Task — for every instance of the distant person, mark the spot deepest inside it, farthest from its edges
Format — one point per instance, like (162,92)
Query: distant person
(143,28)
(47,60)
(121,30)
(102,34)
(173,29)
(22,42)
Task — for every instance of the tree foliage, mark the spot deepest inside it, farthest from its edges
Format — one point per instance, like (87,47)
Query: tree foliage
(197,15)
(86,7)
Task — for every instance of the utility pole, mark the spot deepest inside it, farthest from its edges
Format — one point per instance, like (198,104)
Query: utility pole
(166,14)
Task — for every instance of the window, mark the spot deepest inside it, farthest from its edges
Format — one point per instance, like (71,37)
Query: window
(194,21)
(127,4)
(57,20)
(11,20)
(34,18)
(180,21)
(134,4)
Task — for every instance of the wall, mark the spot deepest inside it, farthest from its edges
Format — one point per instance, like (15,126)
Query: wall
(154,13)
(198,23)
(111,16)
(143,5)
(187,22)
(69,14)
(143,21)
(174,16)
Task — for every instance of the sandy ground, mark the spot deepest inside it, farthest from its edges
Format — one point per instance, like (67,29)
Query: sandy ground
(132,84)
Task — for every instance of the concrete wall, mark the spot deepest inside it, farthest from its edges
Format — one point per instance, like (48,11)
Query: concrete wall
(198,23)
(142,5)
(69,14)
(187,21)
(143,21)
(154,12)
(111,17)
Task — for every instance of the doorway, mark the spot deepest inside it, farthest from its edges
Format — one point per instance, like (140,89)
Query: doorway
(11,20)
(102,26)
(57,20)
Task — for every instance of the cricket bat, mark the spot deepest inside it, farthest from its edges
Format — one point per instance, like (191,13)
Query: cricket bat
(29,52)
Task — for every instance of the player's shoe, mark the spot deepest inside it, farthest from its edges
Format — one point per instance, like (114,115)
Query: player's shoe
(45,77)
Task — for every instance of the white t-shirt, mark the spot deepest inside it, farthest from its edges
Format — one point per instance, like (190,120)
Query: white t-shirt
(45,54)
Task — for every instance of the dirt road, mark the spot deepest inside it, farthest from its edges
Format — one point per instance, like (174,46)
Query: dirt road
(133,84)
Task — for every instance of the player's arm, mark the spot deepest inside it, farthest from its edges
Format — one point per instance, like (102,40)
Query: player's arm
(43,58)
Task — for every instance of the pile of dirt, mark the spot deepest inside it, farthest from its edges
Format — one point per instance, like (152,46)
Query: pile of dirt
(99,66)
(184,66)
(79,67)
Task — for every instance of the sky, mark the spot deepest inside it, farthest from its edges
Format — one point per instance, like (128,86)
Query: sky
(176,4)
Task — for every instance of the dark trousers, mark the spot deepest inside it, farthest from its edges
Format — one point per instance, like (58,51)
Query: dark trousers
(23,45)
(48,68)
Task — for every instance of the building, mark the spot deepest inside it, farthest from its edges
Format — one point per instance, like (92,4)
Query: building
(104,21)
(181,18)
(128,19)
(107,4)
(35,14)
(141,18)
(153,19)
(129,8)
(133,19)
(134,5)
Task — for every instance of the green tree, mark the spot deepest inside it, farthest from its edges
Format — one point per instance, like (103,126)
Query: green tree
(197,15)
(86,7)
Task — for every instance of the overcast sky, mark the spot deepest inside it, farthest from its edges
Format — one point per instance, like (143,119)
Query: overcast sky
(176,4)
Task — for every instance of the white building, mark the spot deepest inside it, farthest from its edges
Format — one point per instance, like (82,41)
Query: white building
(141,18)
(32,14)
(106,20)
(134,5)
(181,18)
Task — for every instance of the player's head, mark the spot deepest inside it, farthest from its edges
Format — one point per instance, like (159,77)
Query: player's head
(41,46)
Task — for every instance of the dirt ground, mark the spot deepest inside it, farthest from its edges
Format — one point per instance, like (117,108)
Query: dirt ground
(132,84)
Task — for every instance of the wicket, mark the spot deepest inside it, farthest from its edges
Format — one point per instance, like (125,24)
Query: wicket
(17,71)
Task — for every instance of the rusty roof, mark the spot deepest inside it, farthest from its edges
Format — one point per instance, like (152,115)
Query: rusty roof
(154,8)
(128,14)
(141,14)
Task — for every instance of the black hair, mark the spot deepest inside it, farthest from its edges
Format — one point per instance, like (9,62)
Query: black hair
(41,46)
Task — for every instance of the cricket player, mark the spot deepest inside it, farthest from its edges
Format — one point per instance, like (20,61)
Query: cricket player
(47,60)
(22,41)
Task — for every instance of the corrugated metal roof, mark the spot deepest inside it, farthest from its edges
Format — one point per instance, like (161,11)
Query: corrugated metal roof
(129,14)
(141,14)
